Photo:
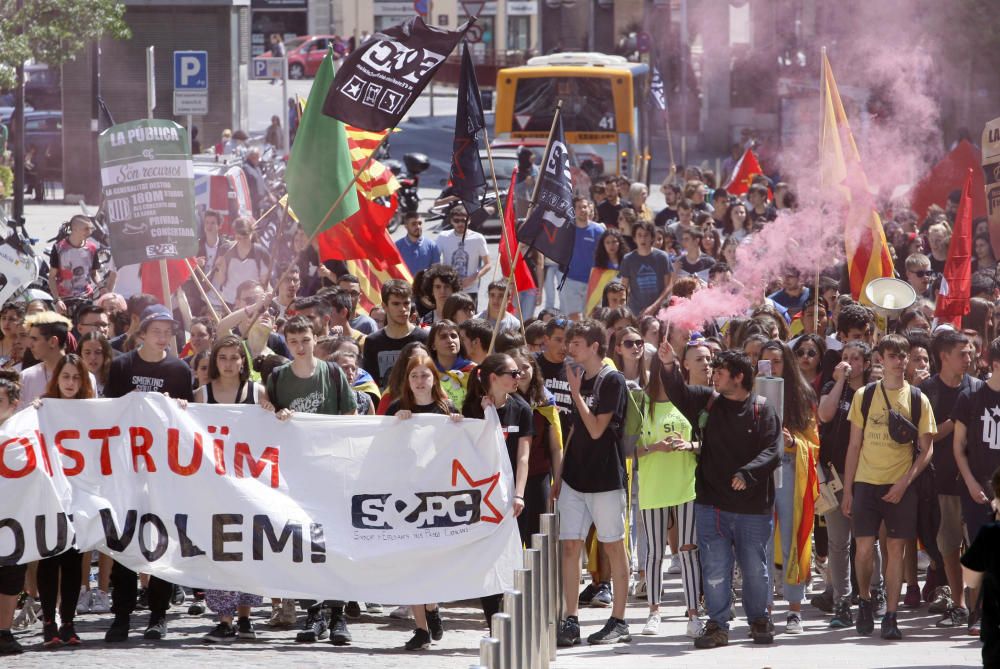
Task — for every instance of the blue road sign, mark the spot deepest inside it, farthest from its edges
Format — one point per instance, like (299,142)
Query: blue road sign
(190,70)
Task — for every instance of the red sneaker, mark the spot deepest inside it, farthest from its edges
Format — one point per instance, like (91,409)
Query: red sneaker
(912,599)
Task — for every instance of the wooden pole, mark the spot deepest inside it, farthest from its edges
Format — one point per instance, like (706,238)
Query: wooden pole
(816,308)
(168,298)
(201,290)
(215,291)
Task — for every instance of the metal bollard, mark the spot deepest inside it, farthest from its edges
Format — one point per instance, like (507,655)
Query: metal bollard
(489,651)
(502,631)
(549,525)
(513,603)
(523,582)
(540,542)
(533,557)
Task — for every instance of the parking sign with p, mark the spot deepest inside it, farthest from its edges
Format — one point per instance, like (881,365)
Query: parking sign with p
(190,70)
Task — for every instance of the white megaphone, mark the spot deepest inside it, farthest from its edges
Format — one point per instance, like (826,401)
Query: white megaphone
(890,297)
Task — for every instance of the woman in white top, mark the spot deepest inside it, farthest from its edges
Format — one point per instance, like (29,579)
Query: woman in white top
(243,262)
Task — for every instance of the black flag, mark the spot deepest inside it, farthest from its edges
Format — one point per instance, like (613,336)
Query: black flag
(467,178)
(383,77)
(551,225)
(657,96)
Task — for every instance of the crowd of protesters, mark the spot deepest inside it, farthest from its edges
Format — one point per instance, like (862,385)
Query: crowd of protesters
(647,437)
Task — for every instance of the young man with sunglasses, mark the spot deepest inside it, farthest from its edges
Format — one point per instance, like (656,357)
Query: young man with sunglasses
(466,251)
(919,273)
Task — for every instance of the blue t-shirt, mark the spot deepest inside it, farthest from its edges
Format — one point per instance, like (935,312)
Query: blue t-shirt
(418,255)
(584,246)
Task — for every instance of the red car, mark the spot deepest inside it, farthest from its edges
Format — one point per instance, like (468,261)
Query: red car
(305,53)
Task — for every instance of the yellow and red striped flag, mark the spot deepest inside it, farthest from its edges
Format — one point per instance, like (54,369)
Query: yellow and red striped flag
(599,279)
(378,180)
(842,176)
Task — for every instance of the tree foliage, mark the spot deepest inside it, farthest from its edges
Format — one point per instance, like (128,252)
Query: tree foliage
(54,31)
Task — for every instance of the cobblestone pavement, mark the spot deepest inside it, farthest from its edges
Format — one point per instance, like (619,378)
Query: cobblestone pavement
(378,642)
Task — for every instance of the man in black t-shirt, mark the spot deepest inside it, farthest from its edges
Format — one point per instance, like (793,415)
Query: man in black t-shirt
(976,418)
(591,490)
(150,368)
(953,352)
(382,348)
(552,361)
(607,211)
(981,568)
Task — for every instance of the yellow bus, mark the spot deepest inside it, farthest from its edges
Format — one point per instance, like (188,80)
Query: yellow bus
(603,97)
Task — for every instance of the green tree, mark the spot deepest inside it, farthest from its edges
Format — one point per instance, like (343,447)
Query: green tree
(54,31)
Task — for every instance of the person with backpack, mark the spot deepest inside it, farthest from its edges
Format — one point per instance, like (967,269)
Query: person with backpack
(739,437)
(591,489)
(310,385)
(892,433)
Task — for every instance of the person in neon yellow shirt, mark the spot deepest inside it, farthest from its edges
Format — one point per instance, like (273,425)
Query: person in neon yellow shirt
(666,486)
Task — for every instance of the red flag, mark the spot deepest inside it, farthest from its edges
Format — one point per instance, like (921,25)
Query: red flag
(743,174)
(953,300)
(178,271)
(362,236)
(523,279)
(946,176)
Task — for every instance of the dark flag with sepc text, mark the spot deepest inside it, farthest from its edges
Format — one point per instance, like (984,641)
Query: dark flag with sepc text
(383,77)
(551,225)
(467,177)
(657,95)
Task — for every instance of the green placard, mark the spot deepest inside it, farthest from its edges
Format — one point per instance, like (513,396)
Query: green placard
(148,184)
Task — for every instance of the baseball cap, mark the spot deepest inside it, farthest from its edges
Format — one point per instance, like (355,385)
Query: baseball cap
(155,312)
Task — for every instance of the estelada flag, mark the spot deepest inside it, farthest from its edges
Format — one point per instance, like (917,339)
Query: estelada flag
(551,225)
(956,284)
(363,236)
(523,280)
(376,180)
(743,174)
(599,279)
(371,279)
(382,78)
(843,182)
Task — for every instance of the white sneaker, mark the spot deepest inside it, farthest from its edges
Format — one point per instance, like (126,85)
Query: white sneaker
(793,624)
(695,628)
(401,613)
(83,604)
(652,627)
(289,608)
(675,565)
(373,608)
(100,601)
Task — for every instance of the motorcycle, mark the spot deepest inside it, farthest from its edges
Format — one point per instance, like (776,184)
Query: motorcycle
(21,269)
(407,195)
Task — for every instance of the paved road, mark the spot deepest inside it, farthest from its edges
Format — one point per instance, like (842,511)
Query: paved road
(378,642)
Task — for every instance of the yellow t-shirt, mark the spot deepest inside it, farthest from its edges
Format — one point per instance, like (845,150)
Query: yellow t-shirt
(884,461)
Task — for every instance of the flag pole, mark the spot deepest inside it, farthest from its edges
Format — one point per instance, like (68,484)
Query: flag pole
(336,203)
(201,290)
(531,206)
(200,273)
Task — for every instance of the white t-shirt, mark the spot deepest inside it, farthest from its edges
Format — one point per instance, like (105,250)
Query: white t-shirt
(465,255)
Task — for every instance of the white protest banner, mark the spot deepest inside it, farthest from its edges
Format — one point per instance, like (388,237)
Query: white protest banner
(228,497)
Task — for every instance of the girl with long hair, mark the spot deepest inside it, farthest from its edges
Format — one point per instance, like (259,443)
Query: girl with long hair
(494,383)
(545,457)
(738,224)
(445,346)
(628,353)
(60,576)
(610,250)
(397,375)
(809,350)
(982,253)
(422,393)
(199,365)
(666,476)
(798,490)
(96,351)
(851,374)
(711,243)
(229,383)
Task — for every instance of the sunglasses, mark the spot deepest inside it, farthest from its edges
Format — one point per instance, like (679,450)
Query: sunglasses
(924,273)
(633,343)
(514,373)
(806,352)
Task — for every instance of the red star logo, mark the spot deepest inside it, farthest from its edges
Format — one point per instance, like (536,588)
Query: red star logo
(456,468)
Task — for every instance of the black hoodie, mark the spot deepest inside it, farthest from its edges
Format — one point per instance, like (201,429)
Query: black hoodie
(737,439)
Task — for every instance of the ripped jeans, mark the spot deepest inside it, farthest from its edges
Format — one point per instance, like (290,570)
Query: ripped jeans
(725,537)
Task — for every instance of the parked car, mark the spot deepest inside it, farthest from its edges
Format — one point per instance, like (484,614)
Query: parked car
(305,53)
(43,130)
